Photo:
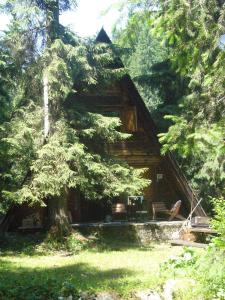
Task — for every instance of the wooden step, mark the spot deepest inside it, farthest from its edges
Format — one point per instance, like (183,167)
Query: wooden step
(187,244)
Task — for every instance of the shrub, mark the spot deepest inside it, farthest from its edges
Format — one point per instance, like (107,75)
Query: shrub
(218,222)
(69,289)
(210,273)
(34,289)
(187,259)
(206,267)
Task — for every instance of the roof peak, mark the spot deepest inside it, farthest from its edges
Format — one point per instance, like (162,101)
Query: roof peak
(103,37)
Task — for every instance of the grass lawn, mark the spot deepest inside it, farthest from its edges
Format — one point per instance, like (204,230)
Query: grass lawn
(123,270)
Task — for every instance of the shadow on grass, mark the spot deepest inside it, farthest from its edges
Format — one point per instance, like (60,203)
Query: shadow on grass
(39,243)
(23,283)
(13,243)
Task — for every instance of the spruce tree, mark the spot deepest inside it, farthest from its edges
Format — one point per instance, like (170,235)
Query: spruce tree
(41,168)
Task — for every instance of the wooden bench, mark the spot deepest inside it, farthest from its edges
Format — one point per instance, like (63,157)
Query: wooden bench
(160,207)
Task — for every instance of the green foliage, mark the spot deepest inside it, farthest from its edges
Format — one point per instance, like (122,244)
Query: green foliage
(63,4)
(188,87)
(33,169)
(187,259)
(73,243)
(80,68)
(69,289)
(66,162)
(218,222)
(48,243)
(206,268)
(36,289)
(210,272)
(205,146)
(140,51)
(193,30)
(5,82)
(20,140)
(147,60)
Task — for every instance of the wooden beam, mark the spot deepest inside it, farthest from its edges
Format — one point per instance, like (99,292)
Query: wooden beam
(202,230)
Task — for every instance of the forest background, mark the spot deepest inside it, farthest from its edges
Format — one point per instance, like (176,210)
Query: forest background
(174,51)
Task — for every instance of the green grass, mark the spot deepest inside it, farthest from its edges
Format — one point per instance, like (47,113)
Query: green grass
(121,268)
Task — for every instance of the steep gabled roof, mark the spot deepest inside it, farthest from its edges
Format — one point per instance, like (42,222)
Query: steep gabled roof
(168,160)
(102,37)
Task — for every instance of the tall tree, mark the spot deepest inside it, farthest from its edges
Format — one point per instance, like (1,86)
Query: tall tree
(38,172)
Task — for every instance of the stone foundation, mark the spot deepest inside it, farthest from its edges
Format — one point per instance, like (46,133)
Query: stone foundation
(142,233)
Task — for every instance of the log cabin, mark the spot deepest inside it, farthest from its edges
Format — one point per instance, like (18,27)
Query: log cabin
(168,183)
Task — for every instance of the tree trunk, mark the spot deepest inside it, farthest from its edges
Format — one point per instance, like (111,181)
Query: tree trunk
(57,206)
(58,214)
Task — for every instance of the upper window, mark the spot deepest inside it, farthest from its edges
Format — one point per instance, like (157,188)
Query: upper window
(130,119)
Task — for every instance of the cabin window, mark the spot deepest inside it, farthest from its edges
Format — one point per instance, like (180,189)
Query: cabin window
(130,120)
(159,177)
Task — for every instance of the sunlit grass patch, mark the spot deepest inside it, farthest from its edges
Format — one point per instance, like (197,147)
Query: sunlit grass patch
(123,271)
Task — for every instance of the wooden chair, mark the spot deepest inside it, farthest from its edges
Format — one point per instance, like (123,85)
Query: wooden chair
(160,207)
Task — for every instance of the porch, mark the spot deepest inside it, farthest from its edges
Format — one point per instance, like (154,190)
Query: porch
(131,209)
(139,232)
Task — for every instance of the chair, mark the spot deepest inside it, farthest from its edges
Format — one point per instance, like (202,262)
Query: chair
(160,207)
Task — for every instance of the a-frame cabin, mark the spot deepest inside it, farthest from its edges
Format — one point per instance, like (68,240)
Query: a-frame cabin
(168,183)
